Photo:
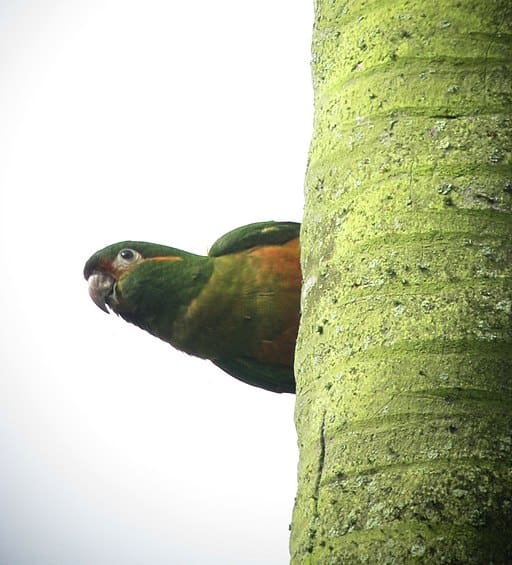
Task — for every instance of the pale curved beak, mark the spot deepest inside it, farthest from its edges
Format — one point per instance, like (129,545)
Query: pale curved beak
(100,288)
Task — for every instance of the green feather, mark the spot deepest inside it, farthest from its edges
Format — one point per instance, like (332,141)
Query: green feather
(276,378)
(157,293)
(253,235)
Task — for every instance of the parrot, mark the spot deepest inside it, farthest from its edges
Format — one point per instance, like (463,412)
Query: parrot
(238,306)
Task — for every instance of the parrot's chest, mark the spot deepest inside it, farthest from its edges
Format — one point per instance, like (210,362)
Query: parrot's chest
(239,312)
(221,324)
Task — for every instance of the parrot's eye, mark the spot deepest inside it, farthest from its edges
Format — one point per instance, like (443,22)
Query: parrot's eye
(126,256)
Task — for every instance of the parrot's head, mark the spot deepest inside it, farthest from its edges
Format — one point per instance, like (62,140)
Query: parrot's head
(120,274)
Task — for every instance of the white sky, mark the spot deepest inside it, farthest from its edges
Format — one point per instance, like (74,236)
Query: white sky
(170,122)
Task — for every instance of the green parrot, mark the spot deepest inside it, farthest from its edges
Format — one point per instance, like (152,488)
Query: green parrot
(239,306)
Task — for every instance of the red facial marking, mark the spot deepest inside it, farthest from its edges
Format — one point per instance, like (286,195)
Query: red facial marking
(105,266)
(109,267)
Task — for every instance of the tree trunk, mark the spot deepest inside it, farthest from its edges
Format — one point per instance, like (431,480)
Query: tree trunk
(404,361)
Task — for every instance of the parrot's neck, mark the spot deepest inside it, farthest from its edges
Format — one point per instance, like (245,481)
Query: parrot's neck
(163,292)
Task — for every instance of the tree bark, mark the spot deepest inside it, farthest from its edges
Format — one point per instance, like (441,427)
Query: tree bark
(404,360)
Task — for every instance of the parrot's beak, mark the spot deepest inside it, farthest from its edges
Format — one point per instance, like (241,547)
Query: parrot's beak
(100,288)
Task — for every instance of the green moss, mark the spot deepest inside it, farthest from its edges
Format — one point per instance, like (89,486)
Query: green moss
(405,350)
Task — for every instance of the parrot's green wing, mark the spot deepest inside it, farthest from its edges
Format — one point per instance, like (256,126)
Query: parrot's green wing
(276,378)
(255,235)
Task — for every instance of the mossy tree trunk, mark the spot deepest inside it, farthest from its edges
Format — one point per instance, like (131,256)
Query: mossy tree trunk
(404,361)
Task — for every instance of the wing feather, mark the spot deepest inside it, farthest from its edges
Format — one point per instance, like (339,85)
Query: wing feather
(276,378)
(255,235)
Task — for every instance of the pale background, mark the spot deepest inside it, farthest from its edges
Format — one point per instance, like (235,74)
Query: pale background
(170,122)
